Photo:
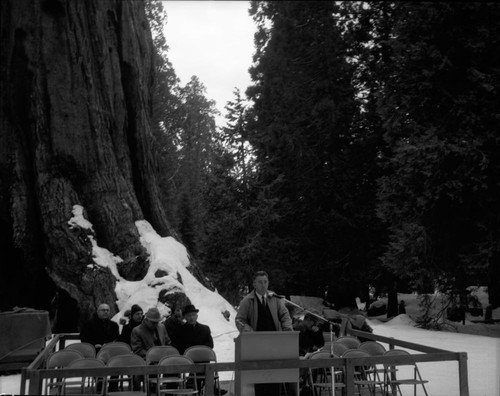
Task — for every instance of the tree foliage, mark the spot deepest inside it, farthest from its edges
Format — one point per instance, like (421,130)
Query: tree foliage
(309,152)
(439,195)
(366,153)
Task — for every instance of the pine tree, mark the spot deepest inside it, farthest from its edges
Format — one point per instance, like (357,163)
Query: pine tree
(301,129)
(440,114)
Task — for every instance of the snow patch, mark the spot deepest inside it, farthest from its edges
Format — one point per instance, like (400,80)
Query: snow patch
(101,256)
(78,220)
(401,320)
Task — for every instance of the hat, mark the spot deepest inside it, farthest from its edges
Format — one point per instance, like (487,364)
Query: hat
(135,308)
(153,315)
(189,308)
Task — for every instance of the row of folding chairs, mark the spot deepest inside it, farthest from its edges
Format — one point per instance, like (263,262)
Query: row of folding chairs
(119,354)
(368,377)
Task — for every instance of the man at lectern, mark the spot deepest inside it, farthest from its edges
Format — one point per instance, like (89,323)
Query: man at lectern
(263,310)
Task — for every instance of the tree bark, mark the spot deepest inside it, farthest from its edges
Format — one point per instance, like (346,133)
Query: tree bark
(75,100)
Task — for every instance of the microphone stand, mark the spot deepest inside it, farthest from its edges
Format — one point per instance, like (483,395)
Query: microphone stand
(332,370)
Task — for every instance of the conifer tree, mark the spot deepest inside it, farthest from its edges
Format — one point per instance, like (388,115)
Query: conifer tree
(439,108)
(301,129)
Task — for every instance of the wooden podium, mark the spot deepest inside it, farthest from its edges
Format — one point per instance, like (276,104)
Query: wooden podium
(265,345)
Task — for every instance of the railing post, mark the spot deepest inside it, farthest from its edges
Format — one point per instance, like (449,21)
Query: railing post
(23,381)
(62,342)
(209,380)
(349,378)
(462,374)
(35,383)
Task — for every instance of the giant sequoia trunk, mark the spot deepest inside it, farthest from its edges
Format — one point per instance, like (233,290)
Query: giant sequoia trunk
(76,78)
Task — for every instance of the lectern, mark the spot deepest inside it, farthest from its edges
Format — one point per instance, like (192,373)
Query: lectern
(265,345)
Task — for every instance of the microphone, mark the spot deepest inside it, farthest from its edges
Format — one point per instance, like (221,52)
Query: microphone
(273,294)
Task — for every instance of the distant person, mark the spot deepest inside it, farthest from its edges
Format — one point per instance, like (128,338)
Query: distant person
(136,315)
(402,307)
(262,310)
(192,332)
(310,335)
(100,329)
(149,333)
(173,324)
(310,340)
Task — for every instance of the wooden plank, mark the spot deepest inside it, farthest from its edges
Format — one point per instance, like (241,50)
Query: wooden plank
(35,387)
(399,343)
(42,357)
(209,380)
(349,377)
(463,374)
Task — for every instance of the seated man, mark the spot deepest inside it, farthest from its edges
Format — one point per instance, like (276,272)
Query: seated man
(310,335)
(145,336)
(310,340)
(194,333)
(100,329)
(149,333)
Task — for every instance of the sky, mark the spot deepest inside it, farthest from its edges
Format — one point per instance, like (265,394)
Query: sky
(214,41)
(170,256)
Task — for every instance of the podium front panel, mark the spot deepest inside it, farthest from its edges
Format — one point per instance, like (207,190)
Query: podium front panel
(265,345)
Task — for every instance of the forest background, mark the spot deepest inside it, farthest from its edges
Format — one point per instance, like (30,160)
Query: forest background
(364,158)
(364,155)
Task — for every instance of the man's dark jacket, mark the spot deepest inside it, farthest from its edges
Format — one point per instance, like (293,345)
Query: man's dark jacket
(190,335)
(99,331)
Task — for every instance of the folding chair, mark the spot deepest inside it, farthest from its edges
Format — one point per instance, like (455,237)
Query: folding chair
(111,349)
(338,348)
(181,377)
(156,353)
(86,349)
(320,378)
(85,385)
(203,354)
(153,356)
(373,348)
(349,341)
(59,359)
(391,377)
(130,360)
(361,378)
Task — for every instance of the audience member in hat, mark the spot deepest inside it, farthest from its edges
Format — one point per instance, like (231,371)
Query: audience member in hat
(100,329)
(149,333)
(136,314)
(192,332)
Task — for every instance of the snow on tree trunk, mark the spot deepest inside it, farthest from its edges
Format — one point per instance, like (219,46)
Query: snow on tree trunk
(76,83)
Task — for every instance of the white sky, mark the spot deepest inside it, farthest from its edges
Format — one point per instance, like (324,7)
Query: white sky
(214,41)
